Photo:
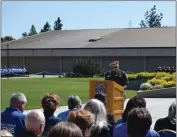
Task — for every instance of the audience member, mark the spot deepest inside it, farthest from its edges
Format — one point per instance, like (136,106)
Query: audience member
(168,122)
(13,119)
(138,122)
(132,103)
(121,128)
(110,117)
(49,104)
(83,119)
(35,123)
(100,129)
(74,103)
(5,133)
(65,129)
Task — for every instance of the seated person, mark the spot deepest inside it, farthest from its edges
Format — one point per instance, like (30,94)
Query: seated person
(49,104)
(121,128)
(138,122)
(35,123)
(13,119)
(83,119)
(74,103)
(102,97)
(168,122)
(65,129)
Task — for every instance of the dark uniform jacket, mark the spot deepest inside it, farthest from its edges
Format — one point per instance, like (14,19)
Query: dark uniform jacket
(119,77)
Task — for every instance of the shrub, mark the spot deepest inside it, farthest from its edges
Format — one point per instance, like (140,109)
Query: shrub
(169,84)
(167,78)
(158,87)
(132,76)
(156,81)
(159,75)
(145,75)
(145,86)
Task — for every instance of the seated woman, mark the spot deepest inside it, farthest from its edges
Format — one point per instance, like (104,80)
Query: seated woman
(49,104)
(83,119)
(100,128)
(168,122)
(65,129)
(74,103)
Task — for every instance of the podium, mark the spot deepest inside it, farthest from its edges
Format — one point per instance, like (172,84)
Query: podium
(114,95)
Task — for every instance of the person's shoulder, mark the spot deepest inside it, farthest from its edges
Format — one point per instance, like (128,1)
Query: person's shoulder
(152,133)
(120,126)
(160,120)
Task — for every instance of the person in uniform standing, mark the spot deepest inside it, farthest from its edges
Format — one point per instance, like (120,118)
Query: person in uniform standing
(117,75)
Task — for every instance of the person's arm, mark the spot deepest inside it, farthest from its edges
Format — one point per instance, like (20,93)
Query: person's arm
(107,76)
(157,126)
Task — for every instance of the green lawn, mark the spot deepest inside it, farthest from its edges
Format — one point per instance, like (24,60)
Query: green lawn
(35,88)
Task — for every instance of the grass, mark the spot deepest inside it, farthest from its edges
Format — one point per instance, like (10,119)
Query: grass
(35,88)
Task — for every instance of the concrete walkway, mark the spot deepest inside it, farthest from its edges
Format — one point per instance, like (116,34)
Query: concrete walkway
(158,107)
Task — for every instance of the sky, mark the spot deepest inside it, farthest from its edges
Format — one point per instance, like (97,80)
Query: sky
(18,16)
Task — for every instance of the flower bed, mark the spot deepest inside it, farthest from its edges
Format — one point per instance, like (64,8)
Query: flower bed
(161,80)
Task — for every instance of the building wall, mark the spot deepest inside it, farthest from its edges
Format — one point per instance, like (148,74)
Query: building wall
(65,64)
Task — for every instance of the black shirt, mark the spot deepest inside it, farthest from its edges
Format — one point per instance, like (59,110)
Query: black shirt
(164,123)
(28,134)
(97,132)
(119,77)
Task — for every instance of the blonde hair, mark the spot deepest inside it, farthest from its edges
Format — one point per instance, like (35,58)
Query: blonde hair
(6,133)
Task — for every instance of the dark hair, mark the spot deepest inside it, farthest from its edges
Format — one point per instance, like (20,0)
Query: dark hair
(101,97)
(50,102)
(138,122)
(134,102)
(65,129)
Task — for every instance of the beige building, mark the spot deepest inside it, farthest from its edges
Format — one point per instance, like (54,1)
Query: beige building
(137,49)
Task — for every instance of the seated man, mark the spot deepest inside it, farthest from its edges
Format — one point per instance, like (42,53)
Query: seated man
(35,123)
(13,119)
(74,103)
(139,122)
(121,128)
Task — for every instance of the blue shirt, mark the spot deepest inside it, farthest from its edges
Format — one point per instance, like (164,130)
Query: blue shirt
(121,131)
(50,122)
(64,115)
(13,120)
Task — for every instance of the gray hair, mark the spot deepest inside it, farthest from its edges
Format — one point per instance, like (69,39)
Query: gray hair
(18,97)
(172,113)
(98,109)
(76,101)
(34,120)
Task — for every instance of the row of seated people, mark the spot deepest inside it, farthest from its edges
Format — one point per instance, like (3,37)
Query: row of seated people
(166,69)
(14,71)
(91,120)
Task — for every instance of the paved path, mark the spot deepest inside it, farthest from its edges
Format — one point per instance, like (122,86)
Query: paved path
(158,107)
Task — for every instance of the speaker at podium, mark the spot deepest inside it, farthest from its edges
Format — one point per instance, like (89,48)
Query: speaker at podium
(114,95)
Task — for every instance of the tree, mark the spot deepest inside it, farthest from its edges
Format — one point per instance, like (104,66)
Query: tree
(7,38)
(32,31)
(24,34)
(57,24)
(46,27)
(152,19)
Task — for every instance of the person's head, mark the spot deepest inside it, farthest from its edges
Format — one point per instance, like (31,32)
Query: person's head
(138,122)
(35,122)
(134,102)
(172,113)
(98,109)
(74,102)
(18,100)
(114,66)
(82,118)
(101,97)
(5,133)
(65,129)
(50,102)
